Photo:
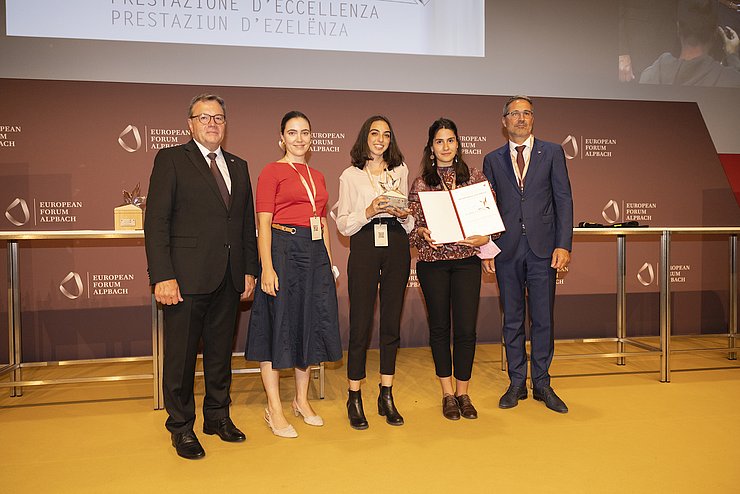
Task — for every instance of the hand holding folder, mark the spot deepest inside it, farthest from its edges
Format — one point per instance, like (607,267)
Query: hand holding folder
(453,215)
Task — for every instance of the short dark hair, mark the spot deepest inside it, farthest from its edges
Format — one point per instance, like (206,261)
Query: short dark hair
(515,98)
(428,168)
(697,21)
(206,97)
(290,115)
(360,152)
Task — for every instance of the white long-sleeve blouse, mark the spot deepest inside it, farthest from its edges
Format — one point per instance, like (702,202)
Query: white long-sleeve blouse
(356,192)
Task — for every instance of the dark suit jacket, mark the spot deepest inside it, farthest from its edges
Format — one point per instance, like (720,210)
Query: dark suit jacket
(190,234)
(546,205)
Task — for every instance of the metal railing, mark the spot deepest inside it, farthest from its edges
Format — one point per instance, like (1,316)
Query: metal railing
(663,350)
(15,366)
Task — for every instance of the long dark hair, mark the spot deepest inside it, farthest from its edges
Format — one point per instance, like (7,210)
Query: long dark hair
(360,152)
(428,162)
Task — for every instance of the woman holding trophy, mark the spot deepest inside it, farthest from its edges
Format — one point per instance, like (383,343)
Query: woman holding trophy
(449,274)
(372,211)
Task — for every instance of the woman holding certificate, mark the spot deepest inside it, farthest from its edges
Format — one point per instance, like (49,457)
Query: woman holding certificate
(372,212)
(449,274)
(294,320)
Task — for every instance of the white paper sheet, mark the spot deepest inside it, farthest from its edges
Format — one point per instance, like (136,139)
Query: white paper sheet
(454,215)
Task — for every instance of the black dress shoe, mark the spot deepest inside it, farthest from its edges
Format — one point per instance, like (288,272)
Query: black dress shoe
(467,410)
(552,401)
(511,398)
(187,445)
(225,429)
(450,408)
(386,407)
(355,413)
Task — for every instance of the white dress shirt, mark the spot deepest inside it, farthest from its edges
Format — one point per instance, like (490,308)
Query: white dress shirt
(220,161)
(527,152)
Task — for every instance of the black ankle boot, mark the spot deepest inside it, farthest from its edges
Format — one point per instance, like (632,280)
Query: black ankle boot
(355,412)
(386,408)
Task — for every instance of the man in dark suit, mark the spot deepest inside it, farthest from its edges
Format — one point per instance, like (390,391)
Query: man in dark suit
(202,253)
(533,194)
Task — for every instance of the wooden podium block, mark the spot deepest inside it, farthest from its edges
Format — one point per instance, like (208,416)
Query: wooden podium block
(129,217)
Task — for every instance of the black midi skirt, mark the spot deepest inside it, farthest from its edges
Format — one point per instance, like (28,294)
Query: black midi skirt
(300,326)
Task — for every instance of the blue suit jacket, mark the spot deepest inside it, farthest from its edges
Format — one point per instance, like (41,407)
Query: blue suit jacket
(545,207)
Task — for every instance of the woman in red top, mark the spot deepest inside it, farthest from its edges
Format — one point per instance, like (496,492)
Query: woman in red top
(294,319)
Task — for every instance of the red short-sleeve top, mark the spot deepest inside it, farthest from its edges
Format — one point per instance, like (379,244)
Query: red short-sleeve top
(281,192)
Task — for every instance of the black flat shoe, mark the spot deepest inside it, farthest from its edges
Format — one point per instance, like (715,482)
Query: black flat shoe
(511,398)
(551,400)
(225,429)
(187,445)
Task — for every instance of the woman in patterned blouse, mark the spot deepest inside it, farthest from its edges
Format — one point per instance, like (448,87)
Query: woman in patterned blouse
(449,274)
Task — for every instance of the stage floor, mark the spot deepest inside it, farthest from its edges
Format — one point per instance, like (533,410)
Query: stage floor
(626,432)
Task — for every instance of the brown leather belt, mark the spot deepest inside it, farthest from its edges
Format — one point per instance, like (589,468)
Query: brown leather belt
(283,228)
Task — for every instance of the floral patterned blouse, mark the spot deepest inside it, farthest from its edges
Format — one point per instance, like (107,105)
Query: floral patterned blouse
(445,251)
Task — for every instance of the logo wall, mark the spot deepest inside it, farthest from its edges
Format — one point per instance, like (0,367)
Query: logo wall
(18,212)
(327,142)
(98,284)
(643,211)
(677,273)
(8,135)
(588,147)
(21,215)
(413,281)
(71,286)
(570,147)
(130,138)
(133,131)
(646,274)
(470,143)
(610,212)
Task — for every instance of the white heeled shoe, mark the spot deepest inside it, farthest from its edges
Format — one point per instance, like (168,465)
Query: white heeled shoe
(314,420)
(288,431)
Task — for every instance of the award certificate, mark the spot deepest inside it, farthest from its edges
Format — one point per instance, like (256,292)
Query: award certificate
(453,215)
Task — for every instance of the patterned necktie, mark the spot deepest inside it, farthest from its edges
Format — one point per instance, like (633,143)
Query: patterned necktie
(520,161)
(219,179)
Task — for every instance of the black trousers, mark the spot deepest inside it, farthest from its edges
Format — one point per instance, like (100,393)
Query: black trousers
(212,318)
(451,285)
(367,267)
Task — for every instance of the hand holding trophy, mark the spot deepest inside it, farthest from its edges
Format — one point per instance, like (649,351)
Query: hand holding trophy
(397,202)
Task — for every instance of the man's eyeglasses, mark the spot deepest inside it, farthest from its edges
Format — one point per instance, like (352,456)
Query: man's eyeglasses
(205,118)
(518,114)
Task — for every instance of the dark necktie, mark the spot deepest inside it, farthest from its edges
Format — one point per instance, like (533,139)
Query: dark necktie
(520,161)
(219,179)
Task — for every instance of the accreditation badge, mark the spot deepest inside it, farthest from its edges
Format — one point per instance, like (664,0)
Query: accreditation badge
(315,228)
(381,234)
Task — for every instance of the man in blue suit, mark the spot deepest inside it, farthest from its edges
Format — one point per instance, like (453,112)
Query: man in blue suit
(533,194)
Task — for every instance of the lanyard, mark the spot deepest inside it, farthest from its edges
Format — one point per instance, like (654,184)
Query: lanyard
(442,181)
(311,194)
(374,183)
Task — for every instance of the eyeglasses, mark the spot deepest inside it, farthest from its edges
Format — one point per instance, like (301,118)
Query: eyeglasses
(205,118)
(518,114)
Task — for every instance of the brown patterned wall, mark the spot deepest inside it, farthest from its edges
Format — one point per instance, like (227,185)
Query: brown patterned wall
(60,153)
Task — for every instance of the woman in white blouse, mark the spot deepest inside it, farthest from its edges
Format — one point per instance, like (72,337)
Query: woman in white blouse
(379,254)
